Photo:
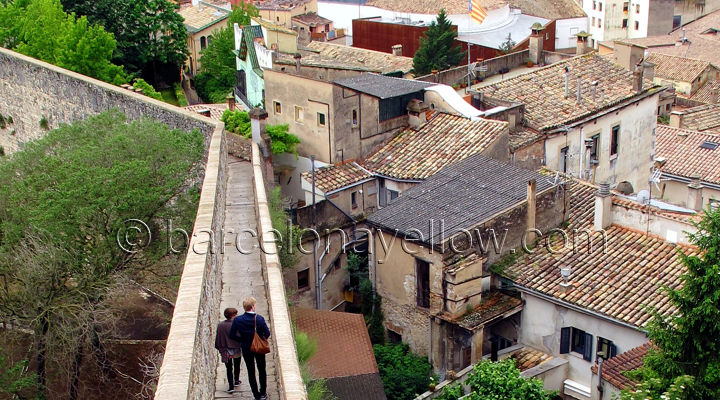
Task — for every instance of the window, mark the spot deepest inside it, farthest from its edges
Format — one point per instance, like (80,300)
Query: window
(593,21)
(600,6)
(637,8)
(625,23)
(321,119)
(594,5)
(599,23)
(626,7)
(203,42)
(614,138)
(394,337)
(327,27)
(278,107)
(354,118)
(677,19)
(577,341)
(422,276)
(303,279)
(393,194)
(595,147)
(353,199)
(637,25)
(714,204)
(298,114)
(606,348)
(563,158)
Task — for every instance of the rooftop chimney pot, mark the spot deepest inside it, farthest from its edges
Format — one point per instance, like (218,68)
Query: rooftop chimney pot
(397,50)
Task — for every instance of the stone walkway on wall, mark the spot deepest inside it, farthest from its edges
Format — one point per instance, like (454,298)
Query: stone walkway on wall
(242,274)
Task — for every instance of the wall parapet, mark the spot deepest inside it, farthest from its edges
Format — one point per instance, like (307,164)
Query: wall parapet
(288,368)
(188,368)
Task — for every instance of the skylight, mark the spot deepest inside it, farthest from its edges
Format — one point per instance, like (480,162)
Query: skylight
(709,145)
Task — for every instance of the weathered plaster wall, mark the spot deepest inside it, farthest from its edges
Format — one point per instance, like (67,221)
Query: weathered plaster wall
(677,193)
(31,89)
(540,328)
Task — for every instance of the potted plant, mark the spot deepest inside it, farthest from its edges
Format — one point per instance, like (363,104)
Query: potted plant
(463,84)
(529,62)
(432,384)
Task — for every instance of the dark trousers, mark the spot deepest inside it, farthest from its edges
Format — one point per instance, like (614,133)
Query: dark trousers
(233,371)
(250,360)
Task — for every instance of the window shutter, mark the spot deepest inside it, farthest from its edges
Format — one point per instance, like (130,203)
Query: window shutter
(564,340)
(613,350)
(588,347)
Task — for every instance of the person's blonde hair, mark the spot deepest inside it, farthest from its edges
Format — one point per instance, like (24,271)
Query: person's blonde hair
(249,303)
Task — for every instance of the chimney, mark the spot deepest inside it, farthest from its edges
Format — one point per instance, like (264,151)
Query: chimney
(297,58)
(535,43)
(684,38)
(714,95)
(627,55)
(205,112)
(637,80)
(582,41)
(594,85)
(230,101)
(603,207)
(397,50)
(695,198)
(416,113)
(531,211)
(648,70)
(675,119)
(579,90)
(567,81)
(257,125)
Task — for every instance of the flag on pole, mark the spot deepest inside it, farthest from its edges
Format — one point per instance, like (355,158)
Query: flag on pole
(477,13)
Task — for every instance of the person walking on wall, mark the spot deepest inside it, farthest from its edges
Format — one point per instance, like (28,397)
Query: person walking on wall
(243,330)
(229,348)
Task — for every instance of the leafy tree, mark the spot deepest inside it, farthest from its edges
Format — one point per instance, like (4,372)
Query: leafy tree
(41,29)
(282,141)
(687,343)
(501,380)
(507,46)
(404,375)
(64,199)
(14,380)
(217,74)
(438,49)
(147,31)
(148,90)
(289,235)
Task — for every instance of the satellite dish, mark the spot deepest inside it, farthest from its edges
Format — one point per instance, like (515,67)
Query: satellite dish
(643,197)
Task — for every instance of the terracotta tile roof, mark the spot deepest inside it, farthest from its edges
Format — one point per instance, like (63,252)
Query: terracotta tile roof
(492,305)
(523,138)
(311,19)
(444,139)
(279,4)
(614,368)
(677,68)
(432,6)
(702,43)
(549,9)
(705,93)
(216,110)
(701,118)
(684,156)
(634,205)
(618,280)
(337,176)
(200,17)
(543,90)
(325,53)
(343,343)
(527,358)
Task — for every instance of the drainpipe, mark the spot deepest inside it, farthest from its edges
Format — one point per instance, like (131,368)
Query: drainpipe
(582,152)
(319,280)
(600,386)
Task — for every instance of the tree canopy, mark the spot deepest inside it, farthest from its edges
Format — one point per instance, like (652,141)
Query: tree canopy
(65,202)
(147,31)
(217,74)
(499,380)
(282,141)
(684,362)
(41,29)
(404,374)
(438,49)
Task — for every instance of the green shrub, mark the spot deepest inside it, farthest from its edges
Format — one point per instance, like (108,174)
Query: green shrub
(289,238)
(44,124)
(282,141)
(180,94)
(451,392)
(238,122)
(148,90)
(306,346)
(502,380)
(404,375)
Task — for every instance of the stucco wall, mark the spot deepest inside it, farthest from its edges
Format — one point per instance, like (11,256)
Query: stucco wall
(540,328)
(677,193)
(635,151)
(657,224)
(31,89)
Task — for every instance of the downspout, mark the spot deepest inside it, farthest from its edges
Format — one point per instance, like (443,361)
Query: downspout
(582,152)
(600,388)
(318,284)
